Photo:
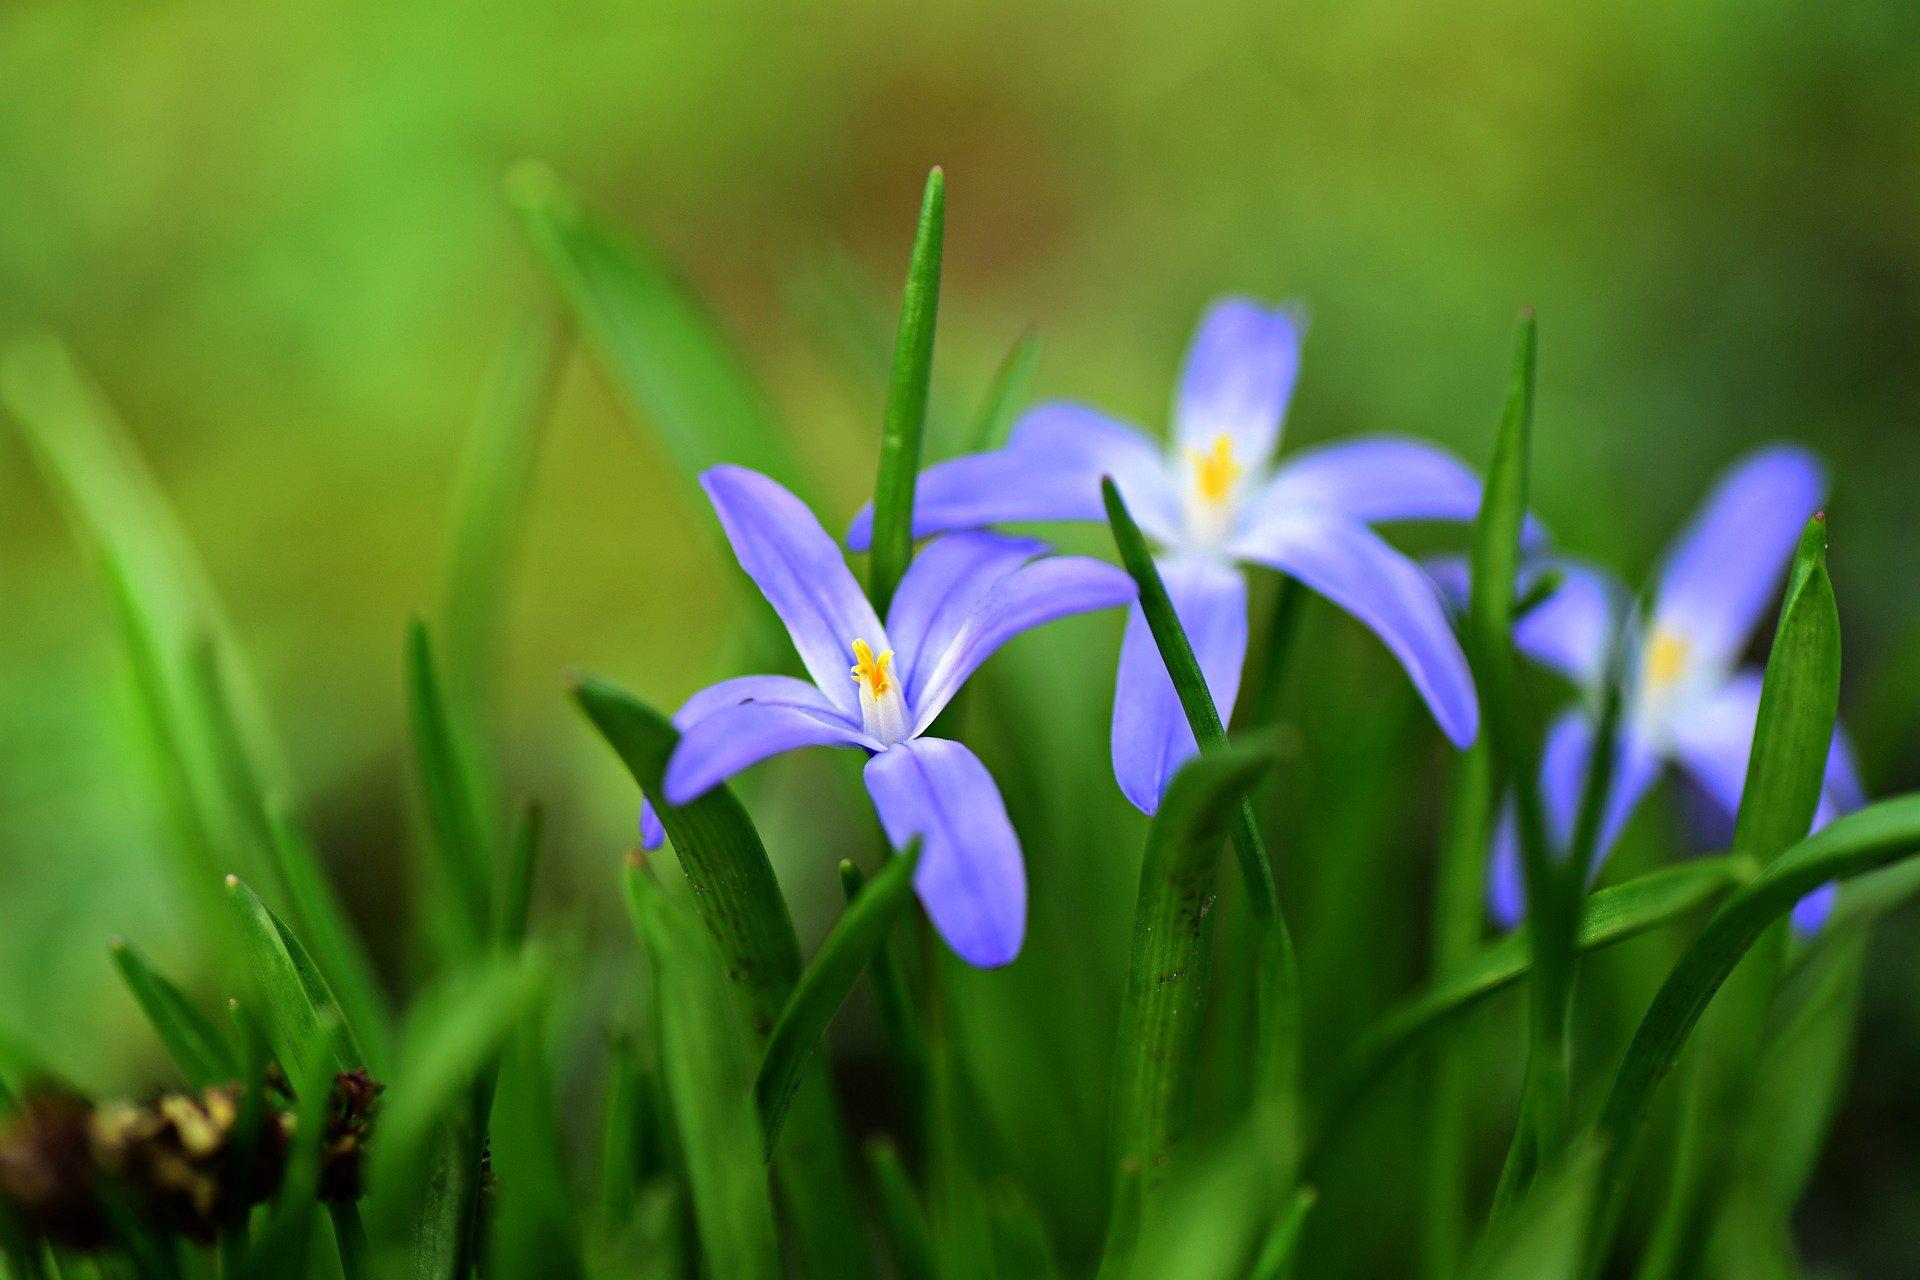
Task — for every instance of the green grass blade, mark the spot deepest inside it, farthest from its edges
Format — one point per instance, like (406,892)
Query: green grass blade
(284,1241)
(736,893)
(1277,981)
(1786,772)
(704,1054)
(1276,1256)
(490,503)
(906,421)
(534,1231)
(899,1018)
(1540,1237)
(1607,917)
(902,1218)
(292,990)
(523,858)
(1164,1003)
(1874,837)
(205,1056)
(1021,1250)
(445,770)
(1007,395)
(823,987)
(423,1167)
(664,350)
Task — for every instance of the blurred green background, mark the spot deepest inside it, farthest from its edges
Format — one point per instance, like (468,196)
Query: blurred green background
(277,237)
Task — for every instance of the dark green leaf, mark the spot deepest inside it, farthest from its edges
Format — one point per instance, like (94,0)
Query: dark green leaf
(1276,1256)
(1164,1003)
(444,764)
(739,899)
(1277,981)
(1608,916)
(523,857)
(902,1218)
(284,1240)
(906,420)
(704,1056)
(202,1053)
(1540,1237)
(665,351)
(533,1232)
(824,986)
(899,1019)
(1021,1250)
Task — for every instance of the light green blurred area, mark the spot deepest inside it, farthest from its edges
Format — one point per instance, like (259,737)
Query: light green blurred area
(276,236)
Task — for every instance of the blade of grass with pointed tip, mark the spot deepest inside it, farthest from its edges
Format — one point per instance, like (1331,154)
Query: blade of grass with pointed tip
(902,1218)
(1276,1257)
(704,1053)
(1277,981)
(906,421)
(490,504)
(1164,1003)
(205,1057)
(722,857)
(1786,772)
(293,992)
(664,350)
(736,893)
(1008,394)
(1607,917)
(1860,842)
(444,767)
(824,986)
(1540,1237)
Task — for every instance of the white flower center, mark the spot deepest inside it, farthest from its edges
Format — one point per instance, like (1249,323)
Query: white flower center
(883,708)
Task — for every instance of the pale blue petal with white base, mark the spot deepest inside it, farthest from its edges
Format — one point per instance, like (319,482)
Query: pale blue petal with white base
(941,588)
(1237,380)
(733,738)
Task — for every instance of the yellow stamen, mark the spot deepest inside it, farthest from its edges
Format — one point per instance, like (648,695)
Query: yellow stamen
(1215,472)
(875,673)
(1666,659)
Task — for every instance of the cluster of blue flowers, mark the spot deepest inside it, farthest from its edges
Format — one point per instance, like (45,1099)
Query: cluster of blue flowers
(1215,499)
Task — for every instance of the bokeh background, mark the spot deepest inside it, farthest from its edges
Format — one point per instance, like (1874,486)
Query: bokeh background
(277,237)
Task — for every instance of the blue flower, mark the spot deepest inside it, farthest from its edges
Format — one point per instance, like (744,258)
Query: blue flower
(879,688)
(1214,501)
(1687,701)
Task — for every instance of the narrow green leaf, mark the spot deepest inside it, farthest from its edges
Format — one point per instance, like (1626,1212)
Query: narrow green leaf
(663,348)
(899,1018)
(203,1054)
(1009,393)
(906,421)
(739,899)
(1540,1238)
(1802,1073)
(704,1055)
(1164,1004)
(824,986)
(1276,1257)
(1874,837)
(535,1231)
(490,503)
(523,857)
(444,765)
(285,1237)
(1609,916)
(1277,981)
(903,1220)
(291,989)
(1021,1250)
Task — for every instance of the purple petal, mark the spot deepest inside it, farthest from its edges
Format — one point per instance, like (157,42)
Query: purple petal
(776,690)
(1350,565)
(1238,377)
(801,573)
(970,877)
(1047,589)
(732,738)
(1812,911)
(652,834)
(1151,736)
(1564,762)
(1375,478)
(1844,790)
(1569,631)
(941,587)
(1724,569)
(1049,470)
